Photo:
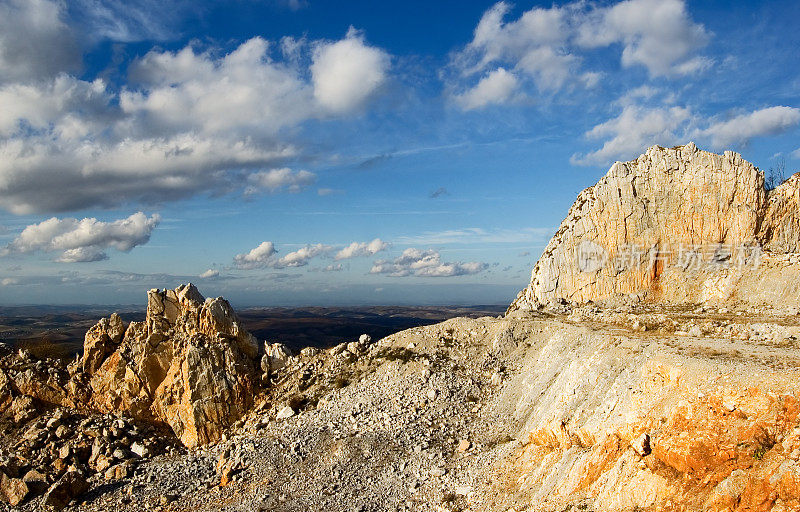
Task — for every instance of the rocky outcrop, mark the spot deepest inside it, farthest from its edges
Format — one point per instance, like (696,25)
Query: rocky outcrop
(189,364)
(780,229)
(668,226)
(102,339)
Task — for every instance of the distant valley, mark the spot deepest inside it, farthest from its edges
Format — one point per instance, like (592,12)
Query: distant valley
(59,330)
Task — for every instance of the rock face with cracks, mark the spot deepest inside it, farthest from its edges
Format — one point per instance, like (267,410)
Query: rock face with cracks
(675,225)
(189,364)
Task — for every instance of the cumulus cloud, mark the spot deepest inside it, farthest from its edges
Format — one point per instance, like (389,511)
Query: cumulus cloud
(35,41)
(82,255)
(52,103)
(346,73)
(657,34)
(265,256)
(245,91)
(301,257)
(333,268)
(742,128)
(258,257)
(546,47)
(427,263)
(188,121)
(83,240)
(209,274)
(533,45)
(496,87)
(634,129)
(356,249)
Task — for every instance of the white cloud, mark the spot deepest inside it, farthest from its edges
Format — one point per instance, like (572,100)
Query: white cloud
(35,42)
(83,240)
(419,263)
(495,88)
(546,46)
(72,107)
(742,128)
(300,257)
(279,179)
(258,257)
(657,34)
(347,72)
(795,154)
(357,249)
(243,92)
(635,129)
(533,44)
(82,255)
(209,274)
(265,256)
(187,122)
(333,268)
(48,174)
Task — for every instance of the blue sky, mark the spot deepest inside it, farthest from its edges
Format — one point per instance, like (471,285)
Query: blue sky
(290,152)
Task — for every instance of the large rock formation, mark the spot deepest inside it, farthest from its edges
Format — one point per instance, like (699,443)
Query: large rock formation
(189,364)
(780,229)
(674,225)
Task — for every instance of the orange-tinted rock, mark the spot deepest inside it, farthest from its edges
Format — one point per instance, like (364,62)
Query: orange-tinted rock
(102,339)
(13,490)
(189,364)
(780,230)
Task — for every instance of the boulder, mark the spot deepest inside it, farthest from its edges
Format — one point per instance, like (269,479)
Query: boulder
(13,490)
(36,481)
(276,356)
(189,364)
(101,340)
(71,485)
(22,409)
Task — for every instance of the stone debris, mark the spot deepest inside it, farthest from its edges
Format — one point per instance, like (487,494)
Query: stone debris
(286,412)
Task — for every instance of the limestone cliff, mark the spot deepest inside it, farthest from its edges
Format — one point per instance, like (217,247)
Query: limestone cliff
(189,364)
(671,226)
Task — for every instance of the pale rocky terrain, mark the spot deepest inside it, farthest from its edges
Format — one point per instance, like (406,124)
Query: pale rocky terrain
(651,393)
